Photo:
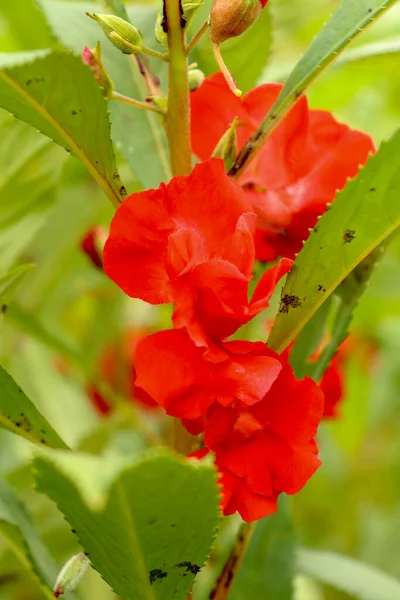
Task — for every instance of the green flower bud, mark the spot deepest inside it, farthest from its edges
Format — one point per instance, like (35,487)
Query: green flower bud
(71,574)
(226,148)
(196,78)
(122,34)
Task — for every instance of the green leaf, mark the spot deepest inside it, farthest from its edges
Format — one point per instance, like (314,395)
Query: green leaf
(147,527)
(19,415)
(138,135)
(26,27)
(10,280)
(268,565)
(30,168)
(364,214)
(245,55)
(348,574)
(69,109)
(349,20)
(309,340)
(19,532)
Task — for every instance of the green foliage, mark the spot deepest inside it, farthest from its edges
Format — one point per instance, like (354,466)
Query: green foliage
(362,216)
(269,561)
(138,135)
(27,27)
(30,167)
(9,281)
(19,415)
(70,110)
(347,574)
(20,534)
(147,527)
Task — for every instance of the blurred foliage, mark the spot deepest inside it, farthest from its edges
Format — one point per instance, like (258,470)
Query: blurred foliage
(59,315)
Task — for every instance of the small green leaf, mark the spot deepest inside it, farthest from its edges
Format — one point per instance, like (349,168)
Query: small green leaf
(69,109)
(19,415)
(19,532)
(268,566)
(348,574)
(147,527)
(364,214)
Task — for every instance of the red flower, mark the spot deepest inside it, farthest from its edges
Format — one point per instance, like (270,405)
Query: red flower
(191,243)
(257,418)
(297,172)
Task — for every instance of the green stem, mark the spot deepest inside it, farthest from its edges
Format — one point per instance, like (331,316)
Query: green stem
(197,36)
(136,103)
(178,115)
(225,71)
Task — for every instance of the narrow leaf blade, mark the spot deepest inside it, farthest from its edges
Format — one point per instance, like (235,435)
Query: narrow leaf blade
(19,415)
(348,574)
(364,214)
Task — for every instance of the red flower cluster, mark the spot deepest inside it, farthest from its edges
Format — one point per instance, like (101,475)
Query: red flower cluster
(298,171)
(191,243)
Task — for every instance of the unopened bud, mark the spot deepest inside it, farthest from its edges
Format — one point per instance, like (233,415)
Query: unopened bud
(92,58)
(122,34)
(226,148)
(160,102)
(196,78)
(71,574)
(230,18)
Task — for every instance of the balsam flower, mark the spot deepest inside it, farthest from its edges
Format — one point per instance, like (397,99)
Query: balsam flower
(190,242)
(306,160)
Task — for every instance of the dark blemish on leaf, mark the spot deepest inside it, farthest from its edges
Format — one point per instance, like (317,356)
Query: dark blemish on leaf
(73,530)
(73,113)
(43,431)
(4,309)
(152,521)
(28,81)
(372,189)
(115,175)
(190,567)
(156,574)
(272,117)
(321,288)
(42,441)
(122,190)
(349,236)
(289,301)
(173,524)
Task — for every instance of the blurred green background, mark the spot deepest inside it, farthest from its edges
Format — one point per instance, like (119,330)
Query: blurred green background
(65,312)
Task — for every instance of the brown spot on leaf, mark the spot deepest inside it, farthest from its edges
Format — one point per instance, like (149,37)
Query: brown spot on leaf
(289,301)
(348,236)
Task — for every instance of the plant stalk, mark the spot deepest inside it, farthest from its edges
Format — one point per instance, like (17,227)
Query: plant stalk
(136,103)
(197,36)
(178,115)
(234,560)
